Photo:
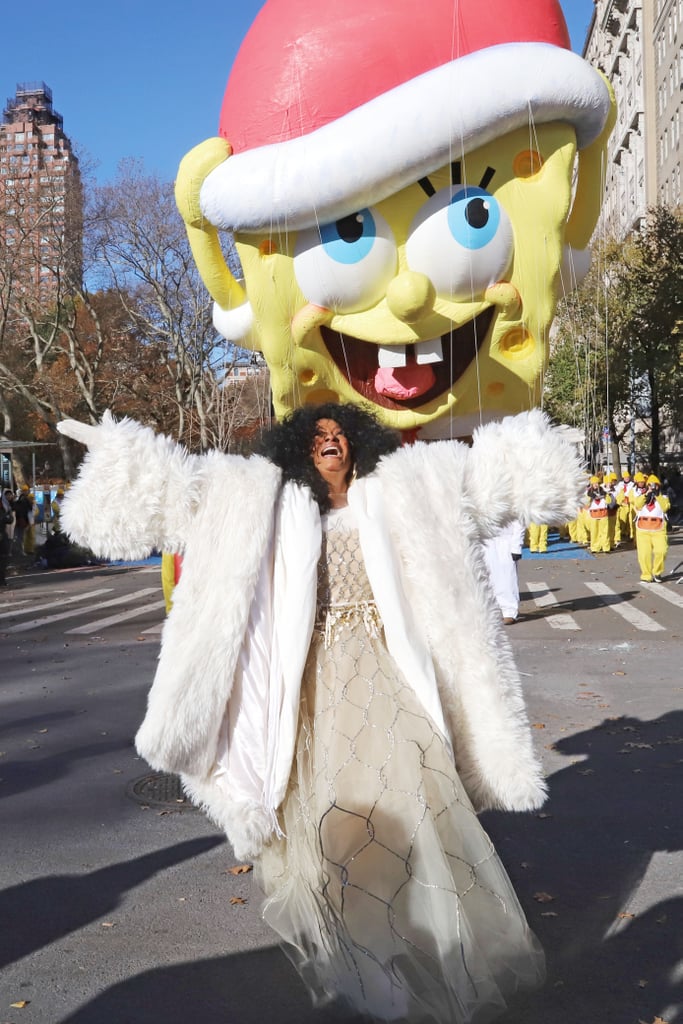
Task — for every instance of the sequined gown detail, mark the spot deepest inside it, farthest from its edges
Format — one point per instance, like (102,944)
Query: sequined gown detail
(385,891)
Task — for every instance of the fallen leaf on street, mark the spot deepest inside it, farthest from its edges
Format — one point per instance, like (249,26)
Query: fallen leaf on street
(543,897)
(544,815)
(239,869)
(549,913)
(21,1004)
(107,924)
(237,899)
(626,915)
(642,983)
(538,725)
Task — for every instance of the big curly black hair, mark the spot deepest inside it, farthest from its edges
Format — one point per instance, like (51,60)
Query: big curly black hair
(289,444)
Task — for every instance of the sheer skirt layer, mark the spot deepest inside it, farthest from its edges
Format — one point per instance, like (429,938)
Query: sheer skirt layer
(386,891)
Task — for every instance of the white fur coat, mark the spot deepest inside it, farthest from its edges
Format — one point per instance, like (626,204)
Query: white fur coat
(137,491)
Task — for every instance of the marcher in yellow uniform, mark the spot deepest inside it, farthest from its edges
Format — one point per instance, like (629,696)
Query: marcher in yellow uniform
(638,487)
(538,537)
(598,512)
(30,531)
(171,566)
(56,511)
(651,540)
(609,487)
(624,517)
(583,521)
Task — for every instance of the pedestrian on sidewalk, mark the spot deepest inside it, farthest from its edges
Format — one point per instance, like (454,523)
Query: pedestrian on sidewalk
(6,520)
(23,507)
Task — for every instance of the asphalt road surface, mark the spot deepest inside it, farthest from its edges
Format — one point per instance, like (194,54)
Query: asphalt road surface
(117,903)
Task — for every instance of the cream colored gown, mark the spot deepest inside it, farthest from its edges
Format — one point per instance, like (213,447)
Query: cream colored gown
(385,891)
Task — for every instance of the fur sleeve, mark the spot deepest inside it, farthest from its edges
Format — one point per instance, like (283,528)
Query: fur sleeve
(521,467)
(136,491)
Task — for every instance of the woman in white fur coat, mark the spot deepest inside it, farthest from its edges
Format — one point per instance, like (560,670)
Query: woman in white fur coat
(334,687)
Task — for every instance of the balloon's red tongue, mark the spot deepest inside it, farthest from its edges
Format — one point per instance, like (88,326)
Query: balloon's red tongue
(403,382)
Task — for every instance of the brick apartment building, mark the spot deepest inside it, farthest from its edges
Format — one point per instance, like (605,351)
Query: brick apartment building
(41,197)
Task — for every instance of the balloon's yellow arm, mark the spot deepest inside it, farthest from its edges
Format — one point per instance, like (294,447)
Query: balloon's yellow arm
(202,235)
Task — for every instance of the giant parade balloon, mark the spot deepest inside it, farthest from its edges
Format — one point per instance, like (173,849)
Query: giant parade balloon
(411,188)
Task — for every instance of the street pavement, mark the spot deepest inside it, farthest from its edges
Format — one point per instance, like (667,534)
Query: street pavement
(117,907)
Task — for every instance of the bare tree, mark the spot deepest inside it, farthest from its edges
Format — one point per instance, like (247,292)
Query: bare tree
(113,315)
(40,279)
(140,249)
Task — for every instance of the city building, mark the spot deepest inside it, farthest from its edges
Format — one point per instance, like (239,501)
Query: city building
(41,197)
(637,44)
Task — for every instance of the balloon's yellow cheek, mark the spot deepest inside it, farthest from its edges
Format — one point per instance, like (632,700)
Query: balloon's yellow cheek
(492,343)
(537,199)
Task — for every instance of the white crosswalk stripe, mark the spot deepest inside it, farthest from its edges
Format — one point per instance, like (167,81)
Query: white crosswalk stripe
(543,598)
(53,604)
(23,627)
(153,630)
(548,597)
(619,605)
(662,591)
(113,620)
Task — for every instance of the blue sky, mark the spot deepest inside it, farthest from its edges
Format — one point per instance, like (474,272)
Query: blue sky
(140,78)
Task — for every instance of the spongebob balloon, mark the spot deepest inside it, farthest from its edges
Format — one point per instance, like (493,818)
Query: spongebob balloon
(410,188)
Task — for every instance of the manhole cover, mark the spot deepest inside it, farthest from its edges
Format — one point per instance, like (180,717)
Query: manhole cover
(160,789)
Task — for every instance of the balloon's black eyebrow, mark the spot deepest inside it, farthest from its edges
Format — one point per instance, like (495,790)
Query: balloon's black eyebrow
(456,178)
(426,186)
(486,177)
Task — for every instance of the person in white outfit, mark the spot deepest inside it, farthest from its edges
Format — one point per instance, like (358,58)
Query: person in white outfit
(502,553)
(337,694)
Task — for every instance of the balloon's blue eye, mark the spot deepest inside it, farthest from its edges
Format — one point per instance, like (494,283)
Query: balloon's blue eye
(346,266)
(473,217)
(350,239)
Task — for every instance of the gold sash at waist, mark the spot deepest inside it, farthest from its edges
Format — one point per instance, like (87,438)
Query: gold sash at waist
(331,617)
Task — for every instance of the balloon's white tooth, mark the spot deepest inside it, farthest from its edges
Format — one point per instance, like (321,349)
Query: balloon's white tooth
(391,355)
(429,351)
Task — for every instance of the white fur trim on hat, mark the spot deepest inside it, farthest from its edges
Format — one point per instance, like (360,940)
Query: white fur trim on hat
(402,135)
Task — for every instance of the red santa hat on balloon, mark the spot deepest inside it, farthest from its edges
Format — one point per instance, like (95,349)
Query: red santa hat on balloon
(330,108)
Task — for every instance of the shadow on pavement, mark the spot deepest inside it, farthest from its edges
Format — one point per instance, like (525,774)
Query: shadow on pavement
(21,775)
(576,865)
(43,910)
(246,988)
(589,849)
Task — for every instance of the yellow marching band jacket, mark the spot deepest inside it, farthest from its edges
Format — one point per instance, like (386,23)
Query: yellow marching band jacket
(618,508)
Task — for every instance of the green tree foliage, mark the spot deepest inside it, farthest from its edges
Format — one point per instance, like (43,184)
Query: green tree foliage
(616,354)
